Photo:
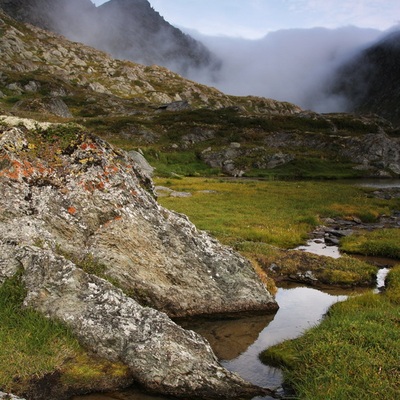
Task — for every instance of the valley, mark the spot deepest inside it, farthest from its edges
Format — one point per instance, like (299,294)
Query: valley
(133,200)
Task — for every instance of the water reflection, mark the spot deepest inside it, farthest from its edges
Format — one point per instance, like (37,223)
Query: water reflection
(131,394)
(300,309)
(229,338)
(238,342)
(318,246)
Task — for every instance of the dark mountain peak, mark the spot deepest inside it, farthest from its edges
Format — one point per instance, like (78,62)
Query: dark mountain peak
(371,80)
(151,39)
(391,40)
(127,29)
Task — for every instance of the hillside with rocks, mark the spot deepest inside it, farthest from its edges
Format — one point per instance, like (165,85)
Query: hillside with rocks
(127,29)
(46,76)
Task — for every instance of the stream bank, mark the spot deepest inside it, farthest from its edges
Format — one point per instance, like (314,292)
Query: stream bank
(238,342)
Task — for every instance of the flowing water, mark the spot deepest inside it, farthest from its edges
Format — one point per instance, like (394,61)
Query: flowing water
(300,309)
(238,342)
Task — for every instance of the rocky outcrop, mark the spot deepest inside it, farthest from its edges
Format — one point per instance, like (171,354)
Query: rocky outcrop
(127,29)
(162,356)
(100,254)
(38,64)
(91,203)
(376,154)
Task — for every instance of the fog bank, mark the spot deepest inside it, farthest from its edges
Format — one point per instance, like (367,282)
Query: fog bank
(296,65)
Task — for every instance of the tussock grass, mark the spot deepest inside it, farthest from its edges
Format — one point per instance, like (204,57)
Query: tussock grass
(353,354)
(382,242)
(32,346)
(344,271)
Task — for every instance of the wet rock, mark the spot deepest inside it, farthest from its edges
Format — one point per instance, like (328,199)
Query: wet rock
(332,241)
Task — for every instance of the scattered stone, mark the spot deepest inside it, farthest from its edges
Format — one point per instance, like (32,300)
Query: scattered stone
(141,162)
(180,194)
(175,106)
(57,107)
(9,396)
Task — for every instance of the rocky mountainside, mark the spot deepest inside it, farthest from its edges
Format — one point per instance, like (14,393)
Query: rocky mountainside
(371,81)
(38,67)
(127,29)
(184,127)
(96,251)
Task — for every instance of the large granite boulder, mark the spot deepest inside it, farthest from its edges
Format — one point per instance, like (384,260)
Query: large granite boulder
(100,254)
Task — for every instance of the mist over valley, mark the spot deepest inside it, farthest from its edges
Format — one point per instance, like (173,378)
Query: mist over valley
(152,177)
(302,66)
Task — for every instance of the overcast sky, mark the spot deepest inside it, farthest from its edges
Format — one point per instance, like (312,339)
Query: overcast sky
(255,18)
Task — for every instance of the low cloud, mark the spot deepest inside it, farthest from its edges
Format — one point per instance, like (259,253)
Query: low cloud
(295,65)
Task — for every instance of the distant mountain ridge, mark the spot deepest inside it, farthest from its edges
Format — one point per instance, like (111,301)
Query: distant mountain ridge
(127,29)
(371,80)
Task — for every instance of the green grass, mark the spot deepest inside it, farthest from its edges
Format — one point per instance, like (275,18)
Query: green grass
(344,271)
(274,212)
(32,346)
(382,242)
(353,354)
(184,163)
(309,167)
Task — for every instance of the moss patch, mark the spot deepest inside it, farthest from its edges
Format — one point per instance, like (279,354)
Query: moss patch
(34,348)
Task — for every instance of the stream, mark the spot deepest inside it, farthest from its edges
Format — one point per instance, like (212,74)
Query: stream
(238,342)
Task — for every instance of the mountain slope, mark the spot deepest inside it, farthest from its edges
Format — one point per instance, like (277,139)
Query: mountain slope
(184,127)
(371,81)
(127,29)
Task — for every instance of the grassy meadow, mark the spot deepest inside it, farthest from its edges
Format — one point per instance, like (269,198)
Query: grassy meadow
(354,353)
(383,242)
(279,213)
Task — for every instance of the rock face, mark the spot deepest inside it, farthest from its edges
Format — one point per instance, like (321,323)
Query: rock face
(127,29)
(162,356)
(77,214)
(371,80)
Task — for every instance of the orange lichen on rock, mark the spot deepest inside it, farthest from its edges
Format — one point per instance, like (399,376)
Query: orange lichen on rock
(88,146)
(18,169)
(71,210)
